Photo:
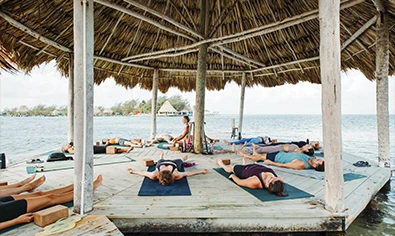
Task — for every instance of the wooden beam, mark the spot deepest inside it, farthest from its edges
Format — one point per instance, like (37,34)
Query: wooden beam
(165,55)
(57,37)
(285,23)
(154,103)
(189,15)
(195,70)
(221,18)
(221,34)
(382,64)
(329,14)
(83,89)
(287,71)
(360,31)
(286,64)
(142,17)
(70,106)
(33,47)
(180,14)
(379,6)
(241,111)
(32,33)
(198,136)
(123,63)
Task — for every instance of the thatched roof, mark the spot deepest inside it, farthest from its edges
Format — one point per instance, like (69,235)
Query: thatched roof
(23,109)
(167,108)
(273,41)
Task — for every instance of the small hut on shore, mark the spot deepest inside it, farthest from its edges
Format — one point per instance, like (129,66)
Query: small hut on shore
(167,109)
(108,112)
(22,110)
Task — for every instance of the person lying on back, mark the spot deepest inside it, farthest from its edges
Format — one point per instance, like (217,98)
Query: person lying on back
(296,161)
(96,149)
(306,149)
(123,142)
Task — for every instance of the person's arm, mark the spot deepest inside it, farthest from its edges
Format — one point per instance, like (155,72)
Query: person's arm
(249,183)
(185,133)
(295,164)
(152,175)
(187,174)
(25,218)
(71,150)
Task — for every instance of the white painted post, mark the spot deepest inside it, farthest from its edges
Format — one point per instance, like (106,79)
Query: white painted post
(83,116)
(201,82)
(329,17)
(70,107)
(242,94)
(154,103)
(382,57)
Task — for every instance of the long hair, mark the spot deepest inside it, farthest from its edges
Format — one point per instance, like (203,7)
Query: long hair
(277,188)
(165,177)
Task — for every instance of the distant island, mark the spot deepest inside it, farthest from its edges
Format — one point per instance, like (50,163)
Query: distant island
(178,106)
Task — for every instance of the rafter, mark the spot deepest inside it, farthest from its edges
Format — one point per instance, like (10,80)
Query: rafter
(221,19)
(379,5)
(220,34)
(61,33)
(360,31)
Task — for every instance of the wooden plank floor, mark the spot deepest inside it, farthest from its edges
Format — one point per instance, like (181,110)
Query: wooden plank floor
(216,204)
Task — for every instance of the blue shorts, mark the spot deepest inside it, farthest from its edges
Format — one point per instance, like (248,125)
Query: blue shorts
(122,141)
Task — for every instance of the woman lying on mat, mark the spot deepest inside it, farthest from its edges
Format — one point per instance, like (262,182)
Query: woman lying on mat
(306,149)
(163,138)
(314,144)
(255,176)
(137,142)
(68,147)
(250,141)
(167,171)
(18,209)
(25,185)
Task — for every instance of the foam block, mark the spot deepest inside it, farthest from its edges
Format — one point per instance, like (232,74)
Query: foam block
(226,161)
(50,215)
(2,183)
(174,148)
(148,162)
(111,150)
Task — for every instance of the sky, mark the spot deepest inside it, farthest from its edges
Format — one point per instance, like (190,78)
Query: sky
(44,85)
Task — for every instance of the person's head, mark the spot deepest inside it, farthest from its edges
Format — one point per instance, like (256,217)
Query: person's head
(315,145)
(65,147)
(307,149)
(165,177)
(105,140)
(185,119)
(277,187)
(318,164)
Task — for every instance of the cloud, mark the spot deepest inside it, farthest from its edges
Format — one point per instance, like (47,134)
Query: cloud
(46,86)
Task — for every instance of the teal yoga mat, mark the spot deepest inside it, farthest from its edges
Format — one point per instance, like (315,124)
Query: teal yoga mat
(264,195)
(64,165)
(154,188)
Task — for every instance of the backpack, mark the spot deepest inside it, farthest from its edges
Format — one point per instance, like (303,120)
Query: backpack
(58,156)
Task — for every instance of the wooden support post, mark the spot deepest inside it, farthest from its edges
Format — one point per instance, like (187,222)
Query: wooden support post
(70,107)
(154,103)
(329,16)
(382,57)
(201,81)
(242,94)
(83,92)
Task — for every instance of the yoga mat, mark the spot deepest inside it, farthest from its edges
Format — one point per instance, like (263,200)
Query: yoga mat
(64,165)
(311,173)
(264,195)
(154,188)
(164,146)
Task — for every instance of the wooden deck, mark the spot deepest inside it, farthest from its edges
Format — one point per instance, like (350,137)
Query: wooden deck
(216,204)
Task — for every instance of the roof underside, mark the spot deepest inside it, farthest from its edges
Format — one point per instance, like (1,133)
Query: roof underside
(273,41)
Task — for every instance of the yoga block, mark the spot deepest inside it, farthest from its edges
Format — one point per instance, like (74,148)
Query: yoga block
(111,150)
(174,148)
(50,215)
(226,161)
(97,143)
(274,140)
(3,183)
(148,162)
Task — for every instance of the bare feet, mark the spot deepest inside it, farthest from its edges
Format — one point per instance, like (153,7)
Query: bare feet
(242,146)
(233,148)
(30,187)
(161,155)
(130,149)
(244,161)
(220,163)
(226,141)
(97,182)
(130,170)
(254,146)
(27,180)
(184,158)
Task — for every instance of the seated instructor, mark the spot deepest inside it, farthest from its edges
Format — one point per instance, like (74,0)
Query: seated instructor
(291,160)
(167,171)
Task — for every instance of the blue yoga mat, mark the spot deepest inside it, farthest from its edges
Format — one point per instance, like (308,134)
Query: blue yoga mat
(154,188)
(264,195)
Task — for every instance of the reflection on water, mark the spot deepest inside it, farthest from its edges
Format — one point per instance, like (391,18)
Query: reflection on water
(23,137)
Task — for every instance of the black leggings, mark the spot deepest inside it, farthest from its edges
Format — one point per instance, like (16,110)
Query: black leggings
(238,170)
(11,208)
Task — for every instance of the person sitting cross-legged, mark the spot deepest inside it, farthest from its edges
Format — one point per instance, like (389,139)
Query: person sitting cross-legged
(255,176)
(296,161)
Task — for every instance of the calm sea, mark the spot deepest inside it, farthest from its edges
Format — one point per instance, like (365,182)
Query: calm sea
(24,137)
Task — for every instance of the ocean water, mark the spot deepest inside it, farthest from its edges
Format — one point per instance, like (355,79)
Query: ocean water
(24,137)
